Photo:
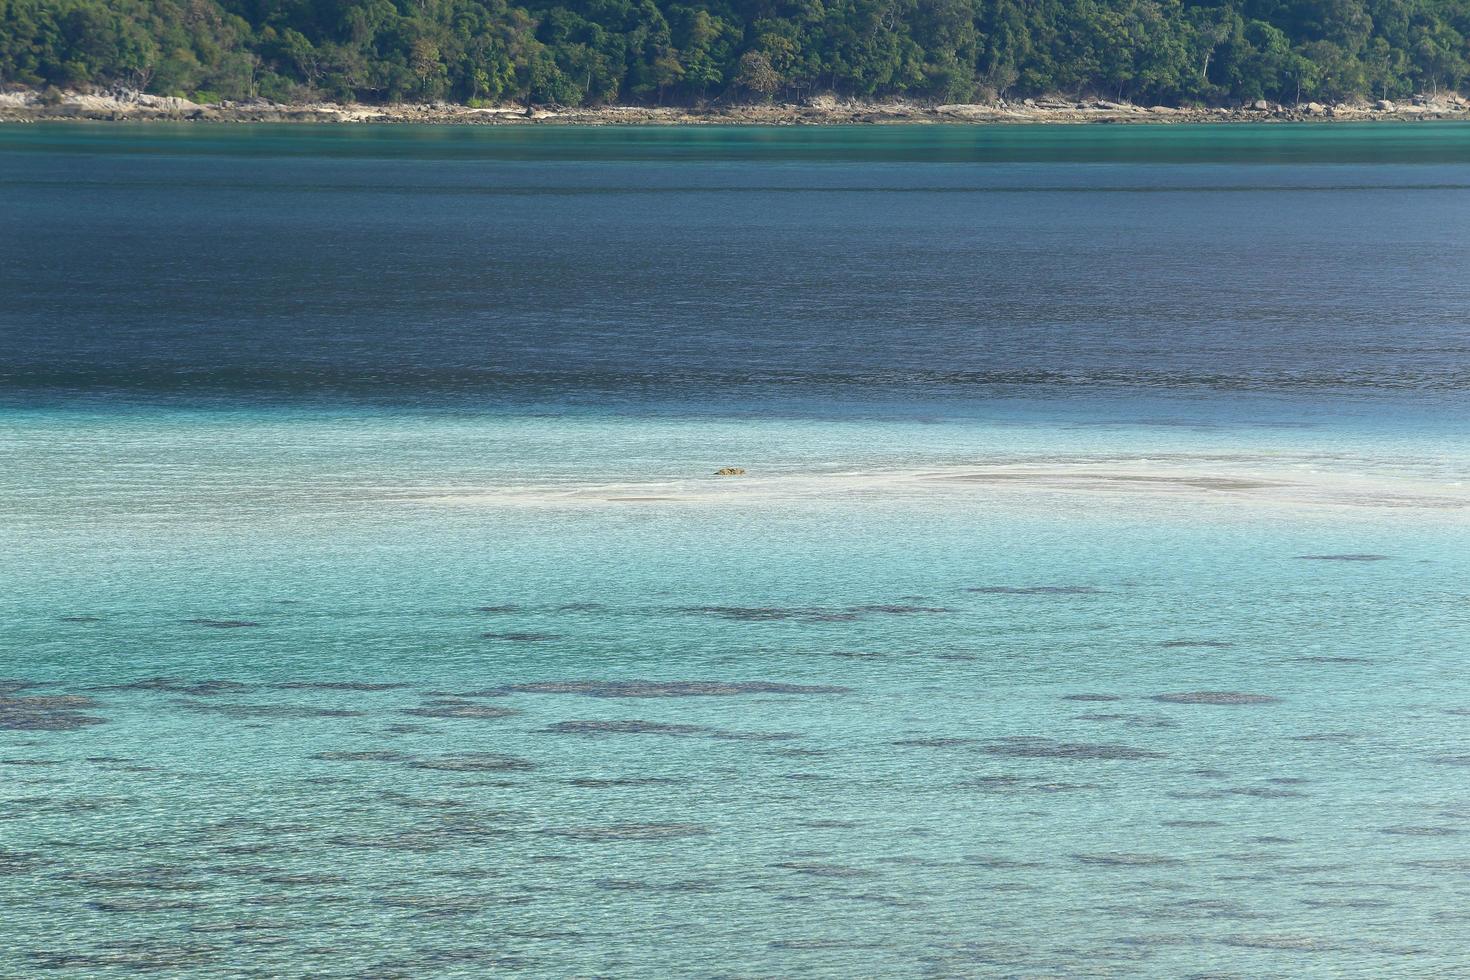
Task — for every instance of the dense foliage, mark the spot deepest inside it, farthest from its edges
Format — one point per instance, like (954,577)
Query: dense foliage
(595,51)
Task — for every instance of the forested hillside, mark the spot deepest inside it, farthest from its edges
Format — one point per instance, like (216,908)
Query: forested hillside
(598,51)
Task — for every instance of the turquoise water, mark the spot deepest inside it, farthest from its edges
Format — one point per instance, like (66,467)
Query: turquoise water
(1094,603)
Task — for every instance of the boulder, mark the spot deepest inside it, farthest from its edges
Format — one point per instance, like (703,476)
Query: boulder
(730,471)
(1261,105)
(1315,108)
(1383,105)
(965,110)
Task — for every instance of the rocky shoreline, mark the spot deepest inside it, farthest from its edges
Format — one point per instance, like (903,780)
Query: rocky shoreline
(30,106)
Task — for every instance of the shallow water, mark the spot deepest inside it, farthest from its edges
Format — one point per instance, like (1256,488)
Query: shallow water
(1094,603)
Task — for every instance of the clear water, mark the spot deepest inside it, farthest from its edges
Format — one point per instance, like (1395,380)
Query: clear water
(370,608)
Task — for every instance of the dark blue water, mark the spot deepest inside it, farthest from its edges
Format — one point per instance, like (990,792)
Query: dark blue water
(135,265)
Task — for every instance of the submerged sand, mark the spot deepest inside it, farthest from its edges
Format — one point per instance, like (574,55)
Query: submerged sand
(1240,483)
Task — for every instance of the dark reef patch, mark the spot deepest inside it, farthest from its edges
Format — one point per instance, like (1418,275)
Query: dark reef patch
(179,685)
(1129,860)
(361,686)
(754,736)
(995,862)
(246,712)
(1029,747)
(17,863)
(773,614)
(669,689)
(798,945)
(459,709)
(67,804)
(1216,697)
(1278,942)
(1011,784)
(1132,721)
(889,609)
(47,713)
(153,955)
(366,756)
(135,906)
(622,727)
(683,886)
(1346,903)
(1091,697)
(810,614)
(149,878)
(409,841)
(1265,792)
(474,762)
(420,803)
(818,870)
(440,905)
(1458,865)
(307,879)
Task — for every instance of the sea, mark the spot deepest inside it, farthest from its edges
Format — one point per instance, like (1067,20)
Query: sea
(1094,602)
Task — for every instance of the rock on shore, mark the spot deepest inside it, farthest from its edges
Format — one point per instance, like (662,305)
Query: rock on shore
(30,106)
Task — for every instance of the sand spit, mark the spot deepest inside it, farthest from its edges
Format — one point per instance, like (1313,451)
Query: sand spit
(1111,481)
(123,105)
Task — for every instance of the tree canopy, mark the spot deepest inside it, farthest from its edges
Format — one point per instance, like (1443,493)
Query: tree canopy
(587,52)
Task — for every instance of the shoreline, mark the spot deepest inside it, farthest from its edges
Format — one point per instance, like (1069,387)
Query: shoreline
(31,107)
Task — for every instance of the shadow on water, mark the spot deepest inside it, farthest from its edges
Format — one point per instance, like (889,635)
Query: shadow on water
(1237,143)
